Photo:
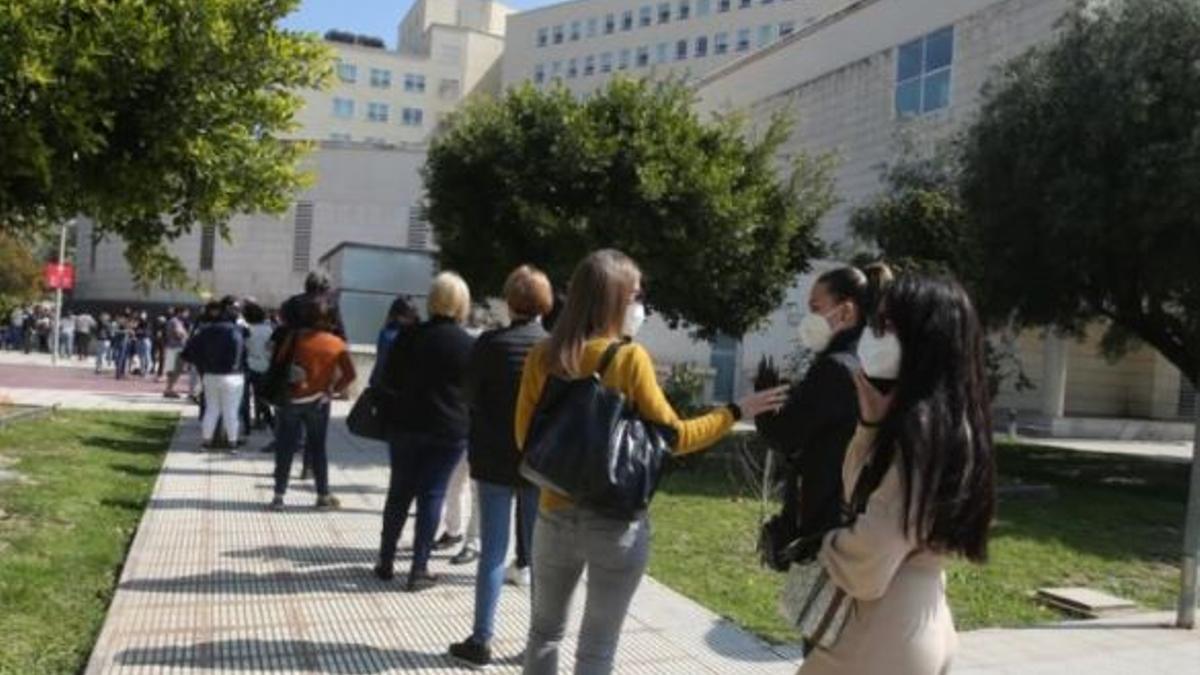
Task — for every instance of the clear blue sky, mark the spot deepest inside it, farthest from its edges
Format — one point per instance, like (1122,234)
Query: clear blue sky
(369,17)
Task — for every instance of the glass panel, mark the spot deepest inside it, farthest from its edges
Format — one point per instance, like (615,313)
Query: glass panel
(937,90)
(908,61)
(908,98)
(939,49)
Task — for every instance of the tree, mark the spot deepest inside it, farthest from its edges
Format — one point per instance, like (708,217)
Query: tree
(149,116)
(544,178)
(1080,179)
(20,273)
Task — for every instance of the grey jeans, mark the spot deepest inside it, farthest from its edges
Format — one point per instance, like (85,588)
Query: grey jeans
(614,552)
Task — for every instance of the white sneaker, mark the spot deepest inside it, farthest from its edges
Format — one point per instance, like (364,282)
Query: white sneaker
(516,576)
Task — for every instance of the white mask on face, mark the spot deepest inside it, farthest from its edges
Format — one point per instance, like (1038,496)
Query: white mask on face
(815,332)
(879,355)
(635,316)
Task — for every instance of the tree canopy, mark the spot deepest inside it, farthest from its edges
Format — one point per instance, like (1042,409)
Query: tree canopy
(1080,178)
(542,177)
(149,116)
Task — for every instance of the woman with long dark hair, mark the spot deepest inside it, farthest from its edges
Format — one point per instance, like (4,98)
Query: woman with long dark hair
(929,442)
(603,307)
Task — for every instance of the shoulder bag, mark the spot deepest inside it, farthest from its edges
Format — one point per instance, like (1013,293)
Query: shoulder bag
(276,382)
(369,416)
(810,600)
(587,443)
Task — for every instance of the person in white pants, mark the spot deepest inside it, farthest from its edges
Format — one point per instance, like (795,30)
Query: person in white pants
(222,399)
(461,503)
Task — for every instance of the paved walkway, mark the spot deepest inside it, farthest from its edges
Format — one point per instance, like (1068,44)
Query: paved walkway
(216,583)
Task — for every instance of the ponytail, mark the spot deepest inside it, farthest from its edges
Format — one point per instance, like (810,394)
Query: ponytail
(864,287)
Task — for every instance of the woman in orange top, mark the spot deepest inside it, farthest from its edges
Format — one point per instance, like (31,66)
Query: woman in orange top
(603,305)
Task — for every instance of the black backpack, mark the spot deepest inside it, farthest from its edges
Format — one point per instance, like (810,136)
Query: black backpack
(586,442)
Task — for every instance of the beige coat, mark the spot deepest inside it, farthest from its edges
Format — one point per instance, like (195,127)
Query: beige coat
(900,623)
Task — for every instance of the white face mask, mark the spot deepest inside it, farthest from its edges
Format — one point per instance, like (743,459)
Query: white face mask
(635,316)
(879,355)
(815,332)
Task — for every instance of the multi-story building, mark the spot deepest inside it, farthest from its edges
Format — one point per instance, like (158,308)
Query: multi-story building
(446,50)
(584,43)
(877,79)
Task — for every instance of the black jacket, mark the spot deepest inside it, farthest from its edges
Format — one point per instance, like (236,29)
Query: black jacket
(813,429)
(493,379)
(219,348)
(427,370)
(289,312)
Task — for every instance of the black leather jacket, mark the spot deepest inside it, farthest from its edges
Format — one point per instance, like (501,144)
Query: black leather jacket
(493,379)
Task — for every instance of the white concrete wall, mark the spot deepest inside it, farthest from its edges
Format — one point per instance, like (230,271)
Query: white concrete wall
(524,54)
(361,194)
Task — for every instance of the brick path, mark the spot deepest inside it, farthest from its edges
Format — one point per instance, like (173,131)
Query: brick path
(216,583)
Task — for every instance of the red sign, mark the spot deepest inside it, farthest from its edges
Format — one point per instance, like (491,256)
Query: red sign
(59,276)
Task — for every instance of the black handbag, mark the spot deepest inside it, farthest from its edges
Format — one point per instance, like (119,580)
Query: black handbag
(587,443)
(369,416)
(277,381)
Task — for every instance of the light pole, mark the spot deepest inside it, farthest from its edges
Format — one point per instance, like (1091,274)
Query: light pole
(1186,616)
(62,253)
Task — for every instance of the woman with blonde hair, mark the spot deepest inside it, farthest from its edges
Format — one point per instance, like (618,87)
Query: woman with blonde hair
(603,306)
(427,370)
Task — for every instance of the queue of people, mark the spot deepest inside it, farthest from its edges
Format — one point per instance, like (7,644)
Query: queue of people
(896,390)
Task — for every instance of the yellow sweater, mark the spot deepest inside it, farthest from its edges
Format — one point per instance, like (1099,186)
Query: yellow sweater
(631,373)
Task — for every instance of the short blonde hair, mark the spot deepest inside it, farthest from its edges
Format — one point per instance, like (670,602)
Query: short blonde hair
(449,297)
(527,292)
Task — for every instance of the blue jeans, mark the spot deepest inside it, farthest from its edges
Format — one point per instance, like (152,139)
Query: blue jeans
(495,520)
(421,468)
(313,418)
(120,356)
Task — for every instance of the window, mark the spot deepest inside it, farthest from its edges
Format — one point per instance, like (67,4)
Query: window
(701,47)
(721,43)
(610,24)
(767,2)
(412,117)
(743,39)
(681,49)
(543,37)
(606,62)
(343,108)
(592,25)
(576,31)
(744,4)
(765,35)
(660,52)
(556,70)
(302,237)
(923,73)
(589,66)
(377,112)
(787,28)
(722,5)
(627,20)
(208,245)
(558,34)
(449,89)
(539,74)
(645,16)
(414,83)
(419,232)
(335,136)
(703,7)
(347,72)
(643,56)
(623,63)
(572,68)
(685,9)
(664,12)
(381,79)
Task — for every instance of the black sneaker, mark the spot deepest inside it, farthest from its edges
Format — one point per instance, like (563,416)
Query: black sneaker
(420,581)
(384,571)
(471,654)
(466,556)
(447,541)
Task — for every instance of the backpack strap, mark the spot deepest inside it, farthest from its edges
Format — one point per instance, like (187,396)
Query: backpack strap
(609,355)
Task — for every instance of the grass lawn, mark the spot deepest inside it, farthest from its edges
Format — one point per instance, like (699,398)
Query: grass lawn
(1115,525)
(65,528)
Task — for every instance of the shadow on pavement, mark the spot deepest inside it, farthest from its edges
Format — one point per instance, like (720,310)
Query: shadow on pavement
(285,656)
(344,579)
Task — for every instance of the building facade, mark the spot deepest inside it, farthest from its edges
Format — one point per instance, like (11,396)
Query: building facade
(446,50)
(583,44)
(876,80)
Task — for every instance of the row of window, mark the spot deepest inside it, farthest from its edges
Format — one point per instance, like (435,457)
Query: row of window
(343,108)
(647,15)
(380,78)
(640,57)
